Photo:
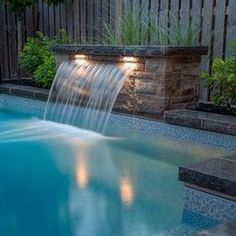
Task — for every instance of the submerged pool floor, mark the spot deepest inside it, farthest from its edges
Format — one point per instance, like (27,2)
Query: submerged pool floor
(83,184)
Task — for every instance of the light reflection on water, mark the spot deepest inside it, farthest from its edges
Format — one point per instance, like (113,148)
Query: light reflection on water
(82,172)
(126,191)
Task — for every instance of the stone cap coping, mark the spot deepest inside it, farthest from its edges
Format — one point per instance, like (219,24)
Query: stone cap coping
(141,51)
(225,124)
(218,174)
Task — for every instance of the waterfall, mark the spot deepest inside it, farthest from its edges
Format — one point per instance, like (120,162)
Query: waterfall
(83,93)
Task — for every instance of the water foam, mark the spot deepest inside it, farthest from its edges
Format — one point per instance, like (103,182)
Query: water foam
(33,130)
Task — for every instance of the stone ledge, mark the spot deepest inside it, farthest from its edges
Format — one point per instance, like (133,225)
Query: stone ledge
(24,91)
(202,120)
(216,175)
(141,51)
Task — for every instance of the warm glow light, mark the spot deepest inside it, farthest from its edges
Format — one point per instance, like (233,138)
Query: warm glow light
(80,57)
(126,191)
(130,59)
(82,173)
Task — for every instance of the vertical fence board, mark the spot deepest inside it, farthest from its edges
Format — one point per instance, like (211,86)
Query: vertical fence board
(76,21)
(70,19)
(154,11)
(136,7)
(90,20)
(41,17)
(83,20)
(112,14)
(51,22)
(197,17)
(45,19)
(105,10)
(185,12)
(1,42)
(97,20)
(231,26)
(174,15)
(12,46)
(105,15)
(174,7)
(5,69)
(207,30)
(127,5)
(206,40)
(63,16)
(163,17)
(118,12)
(144,18)
(219,28)
(57,19)
(29,21)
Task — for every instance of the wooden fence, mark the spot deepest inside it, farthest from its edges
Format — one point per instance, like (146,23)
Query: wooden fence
(82,20)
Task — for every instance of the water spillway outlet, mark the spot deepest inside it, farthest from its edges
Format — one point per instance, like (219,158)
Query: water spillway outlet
(130,59)
(80,57)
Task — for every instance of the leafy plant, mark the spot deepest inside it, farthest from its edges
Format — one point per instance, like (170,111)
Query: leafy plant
(44,74)
(34,52)
(37,59)
(223,80)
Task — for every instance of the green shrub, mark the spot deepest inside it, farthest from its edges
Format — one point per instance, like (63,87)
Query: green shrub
(34,52)
(222,80)
(45,73)
(37,59)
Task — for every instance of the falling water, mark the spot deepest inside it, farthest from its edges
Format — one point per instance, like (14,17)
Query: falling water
(84,92)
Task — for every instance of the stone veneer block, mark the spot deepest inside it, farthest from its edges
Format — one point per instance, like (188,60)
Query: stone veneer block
(164,78)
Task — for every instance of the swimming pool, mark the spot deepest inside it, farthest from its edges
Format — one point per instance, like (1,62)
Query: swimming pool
(66,181)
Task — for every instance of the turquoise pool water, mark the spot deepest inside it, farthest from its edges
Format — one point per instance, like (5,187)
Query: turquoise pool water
(85,184)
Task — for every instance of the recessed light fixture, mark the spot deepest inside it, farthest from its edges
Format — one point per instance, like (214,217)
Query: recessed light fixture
(130,59)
